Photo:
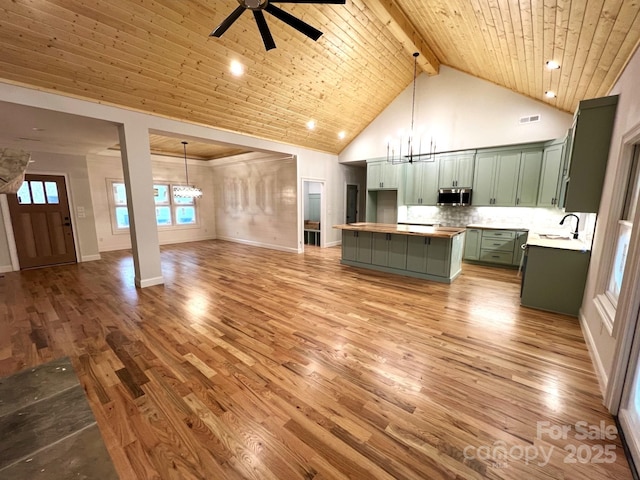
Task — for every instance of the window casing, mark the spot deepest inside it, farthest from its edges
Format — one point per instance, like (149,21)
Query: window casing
(172,212)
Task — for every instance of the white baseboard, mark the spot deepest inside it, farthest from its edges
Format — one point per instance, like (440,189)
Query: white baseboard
(6,268)
(260,244)
(333,244)
(601,373)
(149,282)
(90,258)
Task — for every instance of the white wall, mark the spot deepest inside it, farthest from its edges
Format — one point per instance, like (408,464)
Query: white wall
(603,344)
(459,111)
(256,201)
(104,168)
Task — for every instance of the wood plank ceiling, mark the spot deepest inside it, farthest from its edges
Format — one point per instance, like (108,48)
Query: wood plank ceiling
(156,56)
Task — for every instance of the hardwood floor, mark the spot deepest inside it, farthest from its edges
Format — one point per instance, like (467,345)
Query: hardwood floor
(258,364)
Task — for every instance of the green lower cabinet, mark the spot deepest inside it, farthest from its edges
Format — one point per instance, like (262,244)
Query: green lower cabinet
(429,255)
(554,279)
(356,246)
(472,244)
(498,247)
(389,250)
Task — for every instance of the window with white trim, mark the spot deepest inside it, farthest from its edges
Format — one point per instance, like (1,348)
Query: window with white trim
(607,301)
(171,211)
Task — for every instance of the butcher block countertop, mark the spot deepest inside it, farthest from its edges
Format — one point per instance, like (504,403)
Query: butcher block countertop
(417,230)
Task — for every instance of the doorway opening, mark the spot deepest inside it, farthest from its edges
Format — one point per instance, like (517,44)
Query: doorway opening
(41,220)
(312,208)
(352,203)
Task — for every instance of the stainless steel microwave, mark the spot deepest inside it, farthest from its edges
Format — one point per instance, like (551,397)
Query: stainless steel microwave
(455,197)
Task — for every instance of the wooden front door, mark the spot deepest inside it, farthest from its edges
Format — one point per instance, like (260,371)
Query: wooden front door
(42,222)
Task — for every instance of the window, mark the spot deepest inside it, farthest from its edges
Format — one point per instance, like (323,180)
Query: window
(171,211)
(607,301)
(38,192)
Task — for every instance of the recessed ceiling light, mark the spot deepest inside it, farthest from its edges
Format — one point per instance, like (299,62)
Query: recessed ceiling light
(553,65)
(550,94)
(342,134)
(236,68)
(37,129)
(311,124)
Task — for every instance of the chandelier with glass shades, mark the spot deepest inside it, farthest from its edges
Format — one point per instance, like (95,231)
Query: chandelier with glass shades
(407,146)
(186,191)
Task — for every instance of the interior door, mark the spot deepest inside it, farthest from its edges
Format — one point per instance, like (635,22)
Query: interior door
(352,203)
(42,222)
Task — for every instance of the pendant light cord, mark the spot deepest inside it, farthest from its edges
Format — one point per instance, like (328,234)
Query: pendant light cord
(413,98)
(186,172)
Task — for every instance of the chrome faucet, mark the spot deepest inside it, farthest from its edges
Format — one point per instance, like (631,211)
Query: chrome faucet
(575,234)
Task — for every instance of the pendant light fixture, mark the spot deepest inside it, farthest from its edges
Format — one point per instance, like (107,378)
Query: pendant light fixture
(395,152)
(186,191)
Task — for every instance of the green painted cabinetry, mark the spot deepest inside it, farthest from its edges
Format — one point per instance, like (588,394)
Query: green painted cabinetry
(389,250)
(429,255)
(588,154)
(382,175)
(421,183)
(554,279)
(456,169)
(551,174)
(356,246)
(507,178)
(495,246)
(472,244)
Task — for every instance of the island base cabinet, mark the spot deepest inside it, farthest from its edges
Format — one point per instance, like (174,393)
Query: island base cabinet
(389,250)
(356,246)
(429,258)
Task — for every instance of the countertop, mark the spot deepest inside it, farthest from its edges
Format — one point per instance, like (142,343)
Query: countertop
(498,226)
(558,242)
(417,230)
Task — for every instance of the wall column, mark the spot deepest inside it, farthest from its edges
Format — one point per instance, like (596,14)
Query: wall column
(138,178)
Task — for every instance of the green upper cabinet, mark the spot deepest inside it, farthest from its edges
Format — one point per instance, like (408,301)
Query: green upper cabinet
(496,178)
(588,153)
(421,183)
(529,177)
(382,175)
(456,169)
(551,175)
(505,178)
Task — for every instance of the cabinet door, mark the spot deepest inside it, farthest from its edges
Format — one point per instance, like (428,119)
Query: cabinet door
(390,175)
(363,253)
(483,179)
(464,175)
(505,186)
(380,249)
(438,256)
(550,177)
(349,245)
(397,248)
(374,175)
(447,171)
(417,254)
(472,244)
(518,251)
(413,185)
(529,178)
(429,183)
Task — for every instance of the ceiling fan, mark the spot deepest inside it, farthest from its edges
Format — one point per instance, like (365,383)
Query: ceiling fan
(257,6)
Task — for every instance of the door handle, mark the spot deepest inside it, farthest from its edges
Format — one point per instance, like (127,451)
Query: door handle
(67,224)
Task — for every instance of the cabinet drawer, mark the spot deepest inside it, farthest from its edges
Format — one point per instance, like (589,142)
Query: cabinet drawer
(494,256)
(498,244)
(498,234)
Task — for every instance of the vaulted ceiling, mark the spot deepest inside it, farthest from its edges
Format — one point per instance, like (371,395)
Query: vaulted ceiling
(156,56)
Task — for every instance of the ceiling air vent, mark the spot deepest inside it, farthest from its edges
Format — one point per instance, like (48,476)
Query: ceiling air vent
(529,119)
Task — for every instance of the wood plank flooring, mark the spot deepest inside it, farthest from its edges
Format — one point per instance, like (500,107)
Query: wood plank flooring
(256,364)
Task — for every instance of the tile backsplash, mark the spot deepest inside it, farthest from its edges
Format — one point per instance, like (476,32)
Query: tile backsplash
(535,219)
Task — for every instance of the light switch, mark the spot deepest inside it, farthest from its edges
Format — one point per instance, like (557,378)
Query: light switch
(80,212)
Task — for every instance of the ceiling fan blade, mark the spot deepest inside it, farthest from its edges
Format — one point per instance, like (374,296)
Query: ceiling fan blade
(294,22)
(224,26)
(264,30)
(333,2)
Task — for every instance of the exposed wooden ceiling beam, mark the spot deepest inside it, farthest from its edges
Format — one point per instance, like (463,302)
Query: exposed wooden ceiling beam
(401,27)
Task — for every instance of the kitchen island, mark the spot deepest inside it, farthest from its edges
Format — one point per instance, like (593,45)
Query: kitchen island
(431,253)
